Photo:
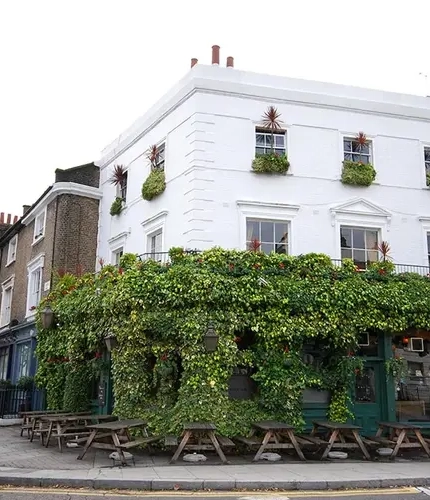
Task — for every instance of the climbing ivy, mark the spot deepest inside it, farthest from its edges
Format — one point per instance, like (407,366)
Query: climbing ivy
(160,312)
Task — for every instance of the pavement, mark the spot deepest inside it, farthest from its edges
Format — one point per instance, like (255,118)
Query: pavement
(29,464)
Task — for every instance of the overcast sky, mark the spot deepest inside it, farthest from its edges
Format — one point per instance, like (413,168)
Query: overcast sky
(74,74)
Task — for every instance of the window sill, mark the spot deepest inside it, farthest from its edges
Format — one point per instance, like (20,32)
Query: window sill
(35,242)
(10,263)
(30,316)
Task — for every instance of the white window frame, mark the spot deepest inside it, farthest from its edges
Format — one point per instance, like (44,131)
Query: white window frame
(161,164)
(117,243)
(121,189)
(116,255)
(376,228)
(11,256)
(425,224)
(266,132)
(351,136)
(153,225)
(151,239)
(6,287)
(426,147)
(4,366)
(39,235)
(32,268)
(274,243)
(276,212)
(359,213)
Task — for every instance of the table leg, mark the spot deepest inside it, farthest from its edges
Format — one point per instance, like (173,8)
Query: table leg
(296,445)
(379,432)
(260,451)
(59,438)
(181,446)
(420,438)
(87,444)
(117,444)
(48,437)
(217,447)
(314,430)
(360,443)
(33,427)
(398,445)
(331,442)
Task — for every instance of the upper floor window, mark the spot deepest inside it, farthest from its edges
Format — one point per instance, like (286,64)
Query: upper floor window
(117,254)
(155,244)
(428,247)
(359,244)
(160,156)
(427,163)
(356,150)
(39,226)
(266,142)
(121,187)
(267,236)
(11,251)
(6,302)
(34,284)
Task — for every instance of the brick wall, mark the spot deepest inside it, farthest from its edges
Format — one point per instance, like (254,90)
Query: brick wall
(84,174)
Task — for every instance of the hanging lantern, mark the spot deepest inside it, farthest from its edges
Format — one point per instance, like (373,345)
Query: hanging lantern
(211,338)
(47,317)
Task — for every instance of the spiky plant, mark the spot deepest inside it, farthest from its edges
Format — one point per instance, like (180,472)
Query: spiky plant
(361,140)
(152,155)
(118,175)
(254,245)
(271,120)
(385,249)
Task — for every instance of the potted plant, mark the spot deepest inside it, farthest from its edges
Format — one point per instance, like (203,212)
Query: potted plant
(155,183)
(116,207)
(272,162)
(358,173)
(25,384)
(396,368)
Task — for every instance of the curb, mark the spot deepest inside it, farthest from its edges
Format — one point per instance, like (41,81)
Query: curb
(205,484)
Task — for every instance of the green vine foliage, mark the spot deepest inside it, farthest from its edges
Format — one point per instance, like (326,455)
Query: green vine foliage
(271,163)
(154,185)
(428,179)
(396,368)
(358,174)
(159,313)
(116,207)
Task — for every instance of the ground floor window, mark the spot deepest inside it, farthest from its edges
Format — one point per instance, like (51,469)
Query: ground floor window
(267,235)
(359,244)
(23,359)
(4,361)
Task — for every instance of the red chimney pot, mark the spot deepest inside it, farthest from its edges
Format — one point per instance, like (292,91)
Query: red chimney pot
(230,62)
(215,54)
(194,61)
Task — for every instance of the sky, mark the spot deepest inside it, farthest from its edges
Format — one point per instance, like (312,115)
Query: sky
(75,74)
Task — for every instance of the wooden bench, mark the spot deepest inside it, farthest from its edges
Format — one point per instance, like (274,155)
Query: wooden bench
(249,441)
(312,439)
(139,441)
(381,440)
(170,441)
(225,441)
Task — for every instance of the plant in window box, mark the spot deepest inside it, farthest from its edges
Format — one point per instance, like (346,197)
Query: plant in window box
(155,183)
(25,383)
(271,162)
(116,207)
(358,173)
(428,179)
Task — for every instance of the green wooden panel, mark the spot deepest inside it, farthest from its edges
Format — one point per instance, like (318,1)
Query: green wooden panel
(314,411)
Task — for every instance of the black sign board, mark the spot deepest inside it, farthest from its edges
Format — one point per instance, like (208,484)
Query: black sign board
(101,394)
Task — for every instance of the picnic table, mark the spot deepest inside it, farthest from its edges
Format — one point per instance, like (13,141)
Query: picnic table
(399,437)
(36,422)
(28,416)
(119,434)
(337,435)
(73,425)
(277,436)
(205,437)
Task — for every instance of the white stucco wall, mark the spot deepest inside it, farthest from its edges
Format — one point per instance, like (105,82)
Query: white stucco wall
(208,121)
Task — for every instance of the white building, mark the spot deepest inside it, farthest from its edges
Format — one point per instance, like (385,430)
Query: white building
(208,124)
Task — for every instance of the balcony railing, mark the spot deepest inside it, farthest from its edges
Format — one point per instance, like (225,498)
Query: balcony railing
(163,258)
(14,401)
(399,268)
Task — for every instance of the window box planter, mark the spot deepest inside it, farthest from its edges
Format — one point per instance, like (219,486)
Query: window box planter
(428,179)
(358,174)
(116,207)
(271,163)
(154,185)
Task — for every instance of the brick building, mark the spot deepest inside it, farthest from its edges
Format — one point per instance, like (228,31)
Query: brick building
(57,233)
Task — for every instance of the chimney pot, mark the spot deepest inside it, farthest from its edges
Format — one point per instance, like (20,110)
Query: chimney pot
(230,62)
(15,219)
(194,61)
(2,218)
(25,208)
(215,54)
(9,218)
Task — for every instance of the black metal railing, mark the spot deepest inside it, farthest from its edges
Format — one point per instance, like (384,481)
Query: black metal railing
(163,257)
(399,268)
(14,401)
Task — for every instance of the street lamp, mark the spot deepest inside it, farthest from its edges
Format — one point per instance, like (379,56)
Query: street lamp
(47,317)
(211,338)
(111,341)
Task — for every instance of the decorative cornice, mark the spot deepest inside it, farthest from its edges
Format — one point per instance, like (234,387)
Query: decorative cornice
(251,204)
(118,237)
(58,189)
(156,218)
